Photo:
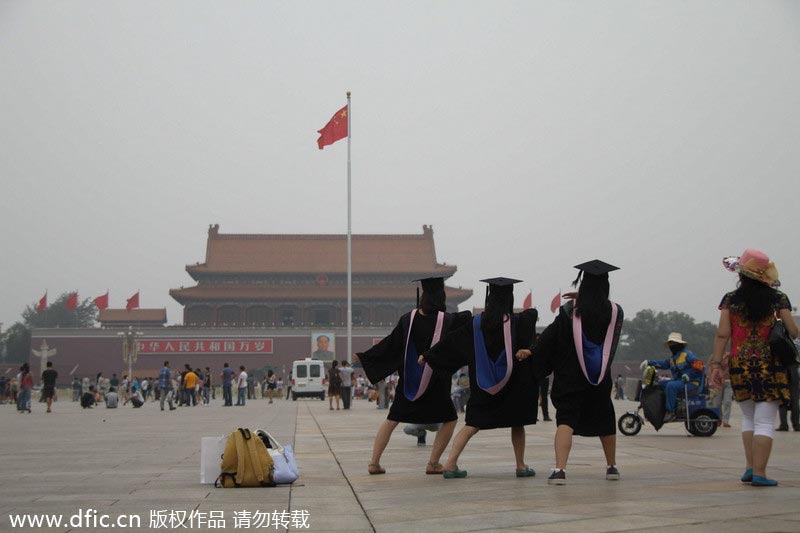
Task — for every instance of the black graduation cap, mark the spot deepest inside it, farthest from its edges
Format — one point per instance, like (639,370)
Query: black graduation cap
(430,285)
(501,282)
(595,267)
(501,288)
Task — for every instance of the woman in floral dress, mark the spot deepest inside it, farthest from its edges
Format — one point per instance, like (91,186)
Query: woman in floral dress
(760,383)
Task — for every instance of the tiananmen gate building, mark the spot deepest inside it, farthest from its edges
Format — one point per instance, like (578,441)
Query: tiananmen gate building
(262,301)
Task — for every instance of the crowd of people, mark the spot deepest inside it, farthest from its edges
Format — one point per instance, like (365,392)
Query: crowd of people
(189,387)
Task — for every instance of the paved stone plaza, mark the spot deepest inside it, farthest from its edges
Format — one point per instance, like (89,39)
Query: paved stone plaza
(134,461)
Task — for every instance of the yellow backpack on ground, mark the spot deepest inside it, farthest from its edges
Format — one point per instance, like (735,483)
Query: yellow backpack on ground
(245,462)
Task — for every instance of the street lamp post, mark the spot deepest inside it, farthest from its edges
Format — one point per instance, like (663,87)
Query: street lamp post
(130,349)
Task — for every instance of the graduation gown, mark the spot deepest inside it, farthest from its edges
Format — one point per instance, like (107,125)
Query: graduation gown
(515,404)
(586,408)
(387,357)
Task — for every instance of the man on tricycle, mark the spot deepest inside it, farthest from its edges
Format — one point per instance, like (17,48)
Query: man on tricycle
(687,372)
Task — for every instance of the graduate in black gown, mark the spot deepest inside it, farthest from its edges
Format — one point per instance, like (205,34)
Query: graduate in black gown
(503,390)
(421,395)
(578,347)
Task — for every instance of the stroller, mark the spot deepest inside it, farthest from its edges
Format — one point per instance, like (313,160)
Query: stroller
(700,419)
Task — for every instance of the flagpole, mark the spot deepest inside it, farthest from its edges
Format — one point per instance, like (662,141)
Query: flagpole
(349,246)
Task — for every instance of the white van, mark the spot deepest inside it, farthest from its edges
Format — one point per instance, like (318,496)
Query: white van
(308,379)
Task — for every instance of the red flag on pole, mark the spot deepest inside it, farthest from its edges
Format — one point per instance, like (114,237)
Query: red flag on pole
(42,303)
(556,303)
(528,303)
(72,301)
(133,302)
(334,130)
(101,301)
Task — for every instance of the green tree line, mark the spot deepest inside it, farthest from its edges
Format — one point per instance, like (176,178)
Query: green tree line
(16,340)
(643,336)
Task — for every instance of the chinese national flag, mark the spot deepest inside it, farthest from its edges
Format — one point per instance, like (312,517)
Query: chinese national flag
(556,303)
(528,302)
(133,302)
(334,130)
(42,303)
(101,301)
(72,301)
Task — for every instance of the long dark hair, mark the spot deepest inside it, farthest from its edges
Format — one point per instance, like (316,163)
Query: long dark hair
(592,303)
(756,298)
(499,307)
(432,302)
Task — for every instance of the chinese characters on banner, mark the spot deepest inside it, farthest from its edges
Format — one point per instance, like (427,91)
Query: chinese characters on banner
(162,346)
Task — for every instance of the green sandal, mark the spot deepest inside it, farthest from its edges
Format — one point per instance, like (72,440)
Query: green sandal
(454,474)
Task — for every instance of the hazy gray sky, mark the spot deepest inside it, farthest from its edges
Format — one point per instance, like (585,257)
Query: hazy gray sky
(659,136)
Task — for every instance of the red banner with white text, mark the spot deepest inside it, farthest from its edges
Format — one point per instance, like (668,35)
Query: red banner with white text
(164,346)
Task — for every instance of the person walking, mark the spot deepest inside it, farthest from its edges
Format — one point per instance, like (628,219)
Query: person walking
(544,393)
(502,388)
(794,402)
(382,400)
(760,382)
(77,388)
(227,385)
(189,384)
(13,389)
(165,384)
(145,388)
(578,348)
(49,377)
(198,387)
(25,380)
(289,386)
(721,395)
(334,384)
(241,385)
(207,386)
(422,397)
(272,381)
(126,386)
(251,387)
(460,392)
(346,390)
(619,386)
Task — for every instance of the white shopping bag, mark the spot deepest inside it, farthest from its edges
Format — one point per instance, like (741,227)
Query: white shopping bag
(211,449)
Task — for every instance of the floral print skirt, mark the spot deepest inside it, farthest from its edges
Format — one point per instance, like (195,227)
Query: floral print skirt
(756,377)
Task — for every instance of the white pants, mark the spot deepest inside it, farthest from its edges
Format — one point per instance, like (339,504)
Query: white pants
(759,417)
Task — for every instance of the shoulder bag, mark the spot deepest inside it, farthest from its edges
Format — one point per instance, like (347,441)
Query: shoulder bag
(782,346)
